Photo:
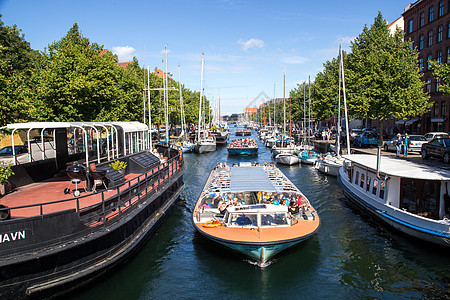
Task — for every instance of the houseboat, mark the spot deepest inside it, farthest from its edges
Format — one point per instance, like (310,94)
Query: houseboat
(71,217)
(254,210)
(412,198)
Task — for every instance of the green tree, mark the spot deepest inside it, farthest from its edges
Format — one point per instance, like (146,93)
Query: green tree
(79,82)
(383,77)
(17,63)
(442,71)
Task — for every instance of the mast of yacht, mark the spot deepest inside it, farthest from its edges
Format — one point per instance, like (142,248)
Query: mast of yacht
(183,120)
(304,113)
(338,146)
(284,107)
(166,99)
(149,107)
(345,104)
(200,102)
(274,104)
(309,117)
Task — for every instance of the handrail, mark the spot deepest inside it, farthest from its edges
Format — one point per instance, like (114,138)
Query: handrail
(124,192)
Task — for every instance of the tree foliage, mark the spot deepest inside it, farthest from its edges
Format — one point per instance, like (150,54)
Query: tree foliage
(442,71)
(17,60)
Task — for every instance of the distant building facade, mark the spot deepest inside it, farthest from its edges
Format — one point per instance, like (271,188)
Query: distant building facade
(427,24)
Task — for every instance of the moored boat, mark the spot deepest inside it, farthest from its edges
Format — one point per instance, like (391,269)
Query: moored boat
(308,157)
(409,197)
(244,208)
(243,132)
(62,228)
(287,158)
(329,164)
(245,146)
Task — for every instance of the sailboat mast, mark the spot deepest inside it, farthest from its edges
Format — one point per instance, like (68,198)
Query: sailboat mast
(304,111)
(183,121)
(309,117)
(200,102)
(274,104)
(166,94)
(149,107)
(345,104)
(284,105)
(338,146)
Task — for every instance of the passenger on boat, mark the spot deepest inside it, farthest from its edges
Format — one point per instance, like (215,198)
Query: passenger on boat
(236,202)
(293,208)
(223,204)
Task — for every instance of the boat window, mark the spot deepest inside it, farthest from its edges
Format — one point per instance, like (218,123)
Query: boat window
(242,219)
(356,177)
(409,196)
(362,180)
(382,189)
(374,189)
(368,183)
(273,219)
(429,207)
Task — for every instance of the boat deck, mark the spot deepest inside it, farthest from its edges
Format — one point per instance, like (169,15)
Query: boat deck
(48,196)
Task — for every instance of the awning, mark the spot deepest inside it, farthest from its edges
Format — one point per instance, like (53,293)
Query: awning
(437,120)
(412,120)
(250,179)
(400,122)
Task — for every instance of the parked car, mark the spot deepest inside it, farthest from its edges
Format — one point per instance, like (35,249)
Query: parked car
(432,135)
(439,148)
(366,138)
(416,143)
(354,132)
(7,151)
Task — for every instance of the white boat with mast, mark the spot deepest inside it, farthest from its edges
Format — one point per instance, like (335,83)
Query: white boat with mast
(330,164)
(183,141)
(285,144)
(205,142)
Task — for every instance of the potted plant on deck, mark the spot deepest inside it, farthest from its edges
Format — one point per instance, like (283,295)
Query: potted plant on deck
(5,173)
(119,166)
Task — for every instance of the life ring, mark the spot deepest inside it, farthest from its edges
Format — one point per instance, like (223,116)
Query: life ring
(212,224)
(179,144)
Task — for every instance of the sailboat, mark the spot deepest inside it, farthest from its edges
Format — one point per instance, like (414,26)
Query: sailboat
(284,145)
(308,155)
(183,143)
(205,142)
(330,164)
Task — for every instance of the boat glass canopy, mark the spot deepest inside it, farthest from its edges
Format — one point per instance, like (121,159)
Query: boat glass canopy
(248,179)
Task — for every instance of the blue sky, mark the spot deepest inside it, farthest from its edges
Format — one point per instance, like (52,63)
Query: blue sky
(248,44)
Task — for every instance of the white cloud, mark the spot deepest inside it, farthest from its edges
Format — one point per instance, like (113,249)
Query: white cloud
(294,60)
(124,54)
(251,43)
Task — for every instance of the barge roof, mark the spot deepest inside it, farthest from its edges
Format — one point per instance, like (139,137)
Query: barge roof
(399,167)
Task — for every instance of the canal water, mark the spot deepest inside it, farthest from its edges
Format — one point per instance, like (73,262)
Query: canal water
(351,257)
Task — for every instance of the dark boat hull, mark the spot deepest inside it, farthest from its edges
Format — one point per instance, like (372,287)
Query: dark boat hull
(49,260)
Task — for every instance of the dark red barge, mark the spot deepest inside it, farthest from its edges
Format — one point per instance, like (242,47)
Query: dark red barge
(58,233)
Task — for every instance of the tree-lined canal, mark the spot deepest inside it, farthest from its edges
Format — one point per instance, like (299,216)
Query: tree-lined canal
(351,257)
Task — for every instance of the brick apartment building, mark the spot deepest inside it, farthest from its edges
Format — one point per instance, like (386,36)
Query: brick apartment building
(427,24)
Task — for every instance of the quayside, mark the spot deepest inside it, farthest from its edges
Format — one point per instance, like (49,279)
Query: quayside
(70,217)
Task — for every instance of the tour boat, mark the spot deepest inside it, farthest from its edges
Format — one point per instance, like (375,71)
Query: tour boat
(70,216)
(411,198)
(284,145)
(243,208)
(243,147)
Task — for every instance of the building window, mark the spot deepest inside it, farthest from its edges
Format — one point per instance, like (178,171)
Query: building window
(438,83)
(439,36)
(429,58)
(421,64)
(439,57)
(448,55)
(443,109)
(410,25)
(448,29)
(430,14)
(422,19)
(441,8)
(430,38)
(436,109)
(421,41)
(428,85)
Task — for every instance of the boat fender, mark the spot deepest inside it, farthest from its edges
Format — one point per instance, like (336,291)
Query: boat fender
(178,144)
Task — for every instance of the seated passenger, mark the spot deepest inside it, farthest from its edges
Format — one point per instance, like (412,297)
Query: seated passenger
(293,208)
(243,220)
(222,206)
